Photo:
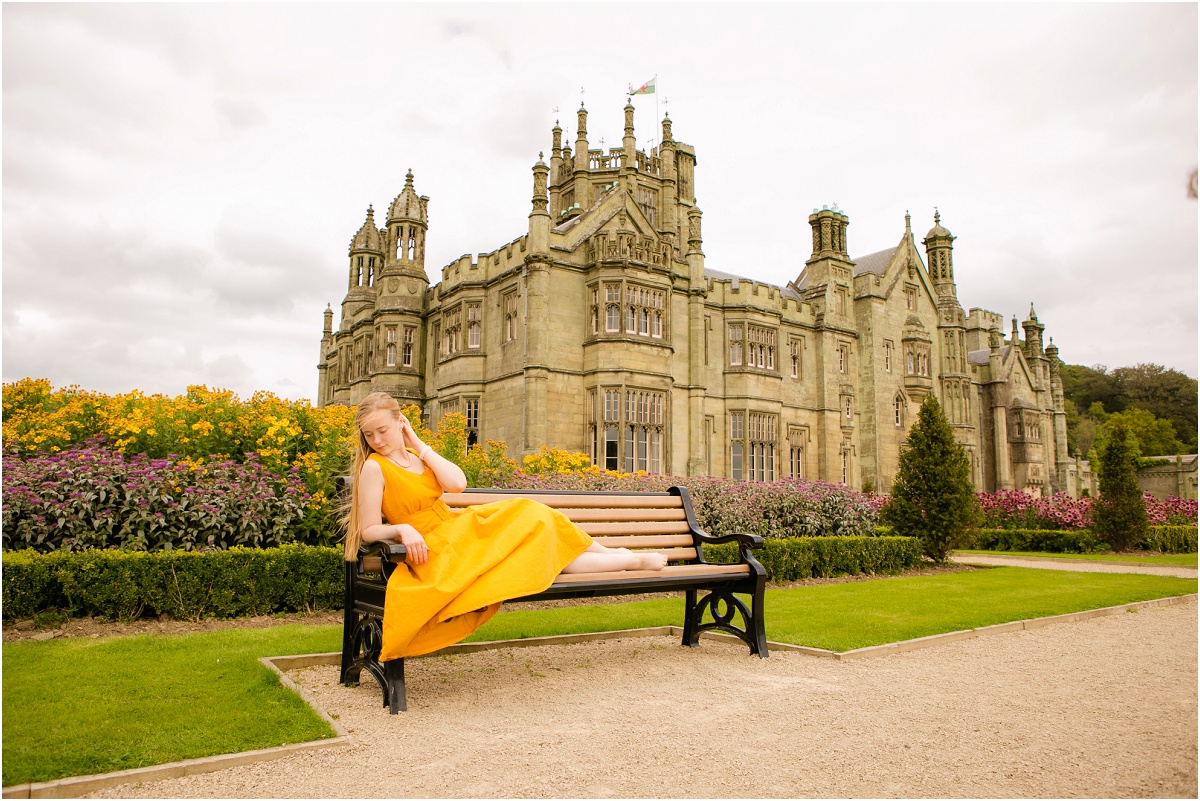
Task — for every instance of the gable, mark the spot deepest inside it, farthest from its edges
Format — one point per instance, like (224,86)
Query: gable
(614,212)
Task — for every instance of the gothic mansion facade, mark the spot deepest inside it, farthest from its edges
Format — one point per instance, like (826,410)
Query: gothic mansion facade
(601,329)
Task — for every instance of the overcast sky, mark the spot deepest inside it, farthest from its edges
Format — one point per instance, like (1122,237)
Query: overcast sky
(181,182)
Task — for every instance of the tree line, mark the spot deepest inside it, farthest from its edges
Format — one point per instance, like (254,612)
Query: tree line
(1157,405)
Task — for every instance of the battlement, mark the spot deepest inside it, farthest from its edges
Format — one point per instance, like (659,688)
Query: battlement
(485,266)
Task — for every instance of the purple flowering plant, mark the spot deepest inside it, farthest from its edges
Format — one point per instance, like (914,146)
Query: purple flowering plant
(93,496)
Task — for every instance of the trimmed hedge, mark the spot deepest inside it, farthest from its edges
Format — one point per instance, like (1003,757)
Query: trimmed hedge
(795,558)
(1045,540)
(1170,539)
(1163,539)
(125,585)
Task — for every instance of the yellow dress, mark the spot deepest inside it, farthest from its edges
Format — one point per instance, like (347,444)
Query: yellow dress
(478,557)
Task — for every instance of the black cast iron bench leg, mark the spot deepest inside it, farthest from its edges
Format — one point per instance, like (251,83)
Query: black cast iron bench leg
(394,670)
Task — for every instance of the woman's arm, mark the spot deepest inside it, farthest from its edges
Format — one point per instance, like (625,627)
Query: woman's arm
(449,475)
(370,516)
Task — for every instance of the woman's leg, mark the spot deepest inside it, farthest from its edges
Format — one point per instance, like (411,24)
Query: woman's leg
(599,559)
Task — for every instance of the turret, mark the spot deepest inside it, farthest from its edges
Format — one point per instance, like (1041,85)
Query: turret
(366,254)
(556,167)
(408,221)
(1033,335)
(539,217)
(629,143)
(939,250)
(581,142)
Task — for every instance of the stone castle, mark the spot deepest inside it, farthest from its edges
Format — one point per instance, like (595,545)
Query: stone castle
(601,329)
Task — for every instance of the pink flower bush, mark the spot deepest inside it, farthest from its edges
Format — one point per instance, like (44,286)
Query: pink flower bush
(1011,509)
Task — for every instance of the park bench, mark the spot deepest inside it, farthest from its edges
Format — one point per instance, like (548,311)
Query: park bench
(660,521)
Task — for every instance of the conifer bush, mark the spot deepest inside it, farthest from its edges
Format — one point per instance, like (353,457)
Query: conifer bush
(1119,514)
(932,497)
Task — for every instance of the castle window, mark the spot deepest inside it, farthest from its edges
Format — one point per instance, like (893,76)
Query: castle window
(647,200)
(595,313)
(644,311)
(612,309)
(762,447)
(437,338)
(843,359)
(849,409)
(794,347)
(761,352)
(390,338)
(370,354)
(840,296)
(846,468)
(409,335)
(735,345)
(910,298)
(643,431)
(887,357)
(473,325)
(371,274)
(510,315)
(898,411)
(612,419)
(735,445)
(472,429)
(796,461)
(453,327)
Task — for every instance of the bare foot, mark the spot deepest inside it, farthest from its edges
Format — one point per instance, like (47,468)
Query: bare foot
(649,560)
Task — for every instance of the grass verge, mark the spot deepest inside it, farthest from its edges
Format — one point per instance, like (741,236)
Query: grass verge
(1180,559)
(79,706)
(134,701)
(841,617)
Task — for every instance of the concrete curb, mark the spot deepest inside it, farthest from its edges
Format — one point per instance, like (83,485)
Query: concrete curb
(76,786)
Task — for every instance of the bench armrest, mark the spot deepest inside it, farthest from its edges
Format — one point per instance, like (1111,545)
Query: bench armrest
(387,550)
(749,540)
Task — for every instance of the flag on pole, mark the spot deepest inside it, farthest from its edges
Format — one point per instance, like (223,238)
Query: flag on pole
(645,89)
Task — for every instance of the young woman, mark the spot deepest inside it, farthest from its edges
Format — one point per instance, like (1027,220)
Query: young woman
(461,565)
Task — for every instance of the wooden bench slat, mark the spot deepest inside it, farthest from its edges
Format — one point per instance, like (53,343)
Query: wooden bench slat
(633,529)
(648,541)
(457,500)
(621,515)
(667,572)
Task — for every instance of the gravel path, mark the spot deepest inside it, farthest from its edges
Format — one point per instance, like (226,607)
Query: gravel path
(1100,708)
(1074,565)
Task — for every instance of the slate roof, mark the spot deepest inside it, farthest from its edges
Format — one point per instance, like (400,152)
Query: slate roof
(874,262)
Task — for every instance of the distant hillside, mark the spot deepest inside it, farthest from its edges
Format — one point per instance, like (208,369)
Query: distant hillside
(1166,394)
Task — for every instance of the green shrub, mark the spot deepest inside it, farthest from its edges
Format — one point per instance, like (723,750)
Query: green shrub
(1044,540)
(932,497)
(1170,539)
(795,558)
(123,585)
(1119,514)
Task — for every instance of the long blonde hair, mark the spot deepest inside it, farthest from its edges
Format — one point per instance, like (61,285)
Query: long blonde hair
(374,402)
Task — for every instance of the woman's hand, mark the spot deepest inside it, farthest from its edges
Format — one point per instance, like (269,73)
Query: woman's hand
(409,436)
(414,544)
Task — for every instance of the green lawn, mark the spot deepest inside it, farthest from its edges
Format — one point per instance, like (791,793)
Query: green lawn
(78,706)
(1184,559)
(841,617)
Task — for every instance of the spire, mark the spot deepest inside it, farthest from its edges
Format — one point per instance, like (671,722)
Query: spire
(907,224)
(1032,313)
(367,237)
(628,143)
(1016,337)
(666,128)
